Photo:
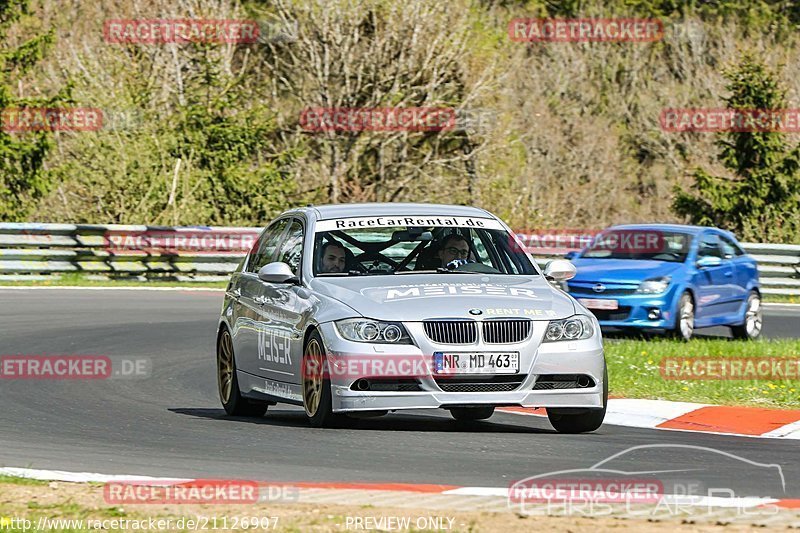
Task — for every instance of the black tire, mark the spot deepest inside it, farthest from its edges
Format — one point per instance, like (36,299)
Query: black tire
(320,411)
(753,319)
(566,421)
(228,384)
(684,318)
(472,413)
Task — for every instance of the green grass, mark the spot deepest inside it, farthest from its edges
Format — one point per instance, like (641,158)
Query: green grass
(634,372)
(782,299)
(14,480)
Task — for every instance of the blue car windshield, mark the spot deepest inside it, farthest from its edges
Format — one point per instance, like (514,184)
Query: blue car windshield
(640,244)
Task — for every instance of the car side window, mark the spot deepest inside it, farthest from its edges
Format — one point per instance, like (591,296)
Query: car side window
(709,246)
(265,246)
(291,251)
(729,248)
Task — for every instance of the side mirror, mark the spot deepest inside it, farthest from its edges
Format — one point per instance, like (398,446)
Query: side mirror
(569,256)
(277,272)
(708,261)
(559,270)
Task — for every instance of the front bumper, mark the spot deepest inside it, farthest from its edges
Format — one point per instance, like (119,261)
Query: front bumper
(570,357)
(634,310)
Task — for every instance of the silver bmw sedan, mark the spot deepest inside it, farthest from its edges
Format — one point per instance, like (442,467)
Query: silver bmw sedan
(362,309)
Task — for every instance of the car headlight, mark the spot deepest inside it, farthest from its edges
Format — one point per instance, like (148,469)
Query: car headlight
(654,286)
(574,328)
(366,330)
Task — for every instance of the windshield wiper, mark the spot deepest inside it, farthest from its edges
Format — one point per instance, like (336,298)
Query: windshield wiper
(440,270)
(340,274)
(443,270)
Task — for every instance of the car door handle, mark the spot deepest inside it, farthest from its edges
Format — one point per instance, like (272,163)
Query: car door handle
(728,274)
(260,300)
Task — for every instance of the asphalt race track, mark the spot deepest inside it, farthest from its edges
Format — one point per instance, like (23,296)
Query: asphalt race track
(171,423)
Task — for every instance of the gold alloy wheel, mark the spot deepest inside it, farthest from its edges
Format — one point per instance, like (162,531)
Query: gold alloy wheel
(225,366)
(312,377)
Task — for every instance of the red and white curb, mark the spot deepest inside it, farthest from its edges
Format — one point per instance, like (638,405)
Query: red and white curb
(391,494)
(695,417)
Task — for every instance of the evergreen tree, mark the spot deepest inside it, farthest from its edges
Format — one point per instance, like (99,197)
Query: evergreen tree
(761,201)
(22,155)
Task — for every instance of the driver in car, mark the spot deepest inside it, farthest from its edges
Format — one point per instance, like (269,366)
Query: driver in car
(333,258)
(453,247)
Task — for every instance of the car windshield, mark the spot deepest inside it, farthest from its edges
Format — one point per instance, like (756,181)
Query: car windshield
(640,244)
(424,249)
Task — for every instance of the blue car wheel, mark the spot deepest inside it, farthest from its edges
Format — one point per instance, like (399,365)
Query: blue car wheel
(750,329)
(684,317)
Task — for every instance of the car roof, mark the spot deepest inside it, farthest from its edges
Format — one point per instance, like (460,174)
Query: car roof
(683,228)
(330,211)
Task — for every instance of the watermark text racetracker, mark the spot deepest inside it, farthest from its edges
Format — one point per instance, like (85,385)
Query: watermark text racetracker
(208,31)
(172,240)
(74,367)
(347,367)
(733,368)
(585,30)
(74,119)
(197,491)
(352,119)
(555,241)
(731,120)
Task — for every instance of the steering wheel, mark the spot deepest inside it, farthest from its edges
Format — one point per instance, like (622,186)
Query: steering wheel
(474,266)
(377,258)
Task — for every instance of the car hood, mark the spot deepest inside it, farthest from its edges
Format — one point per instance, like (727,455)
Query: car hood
(621,270)
(415,297)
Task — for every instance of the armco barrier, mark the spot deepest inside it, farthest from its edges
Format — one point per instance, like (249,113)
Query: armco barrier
(202,253)
(186,253)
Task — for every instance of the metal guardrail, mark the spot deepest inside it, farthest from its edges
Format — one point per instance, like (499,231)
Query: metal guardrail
(201,253)
(778,267)
(102,252)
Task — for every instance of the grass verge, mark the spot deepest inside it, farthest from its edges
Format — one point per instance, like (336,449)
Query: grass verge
(635,372)
(13,480)
(781,299)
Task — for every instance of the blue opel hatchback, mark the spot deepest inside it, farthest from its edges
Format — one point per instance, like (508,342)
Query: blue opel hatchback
(664,277)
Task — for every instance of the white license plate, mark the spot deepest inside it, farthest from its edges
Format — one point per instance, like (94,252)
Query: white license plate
(475,363)
(599,304)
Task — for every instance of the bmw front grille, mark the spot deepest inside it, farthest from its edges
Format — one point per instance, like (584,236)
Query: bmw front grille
(506,331)
(451,331)
(500,331)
